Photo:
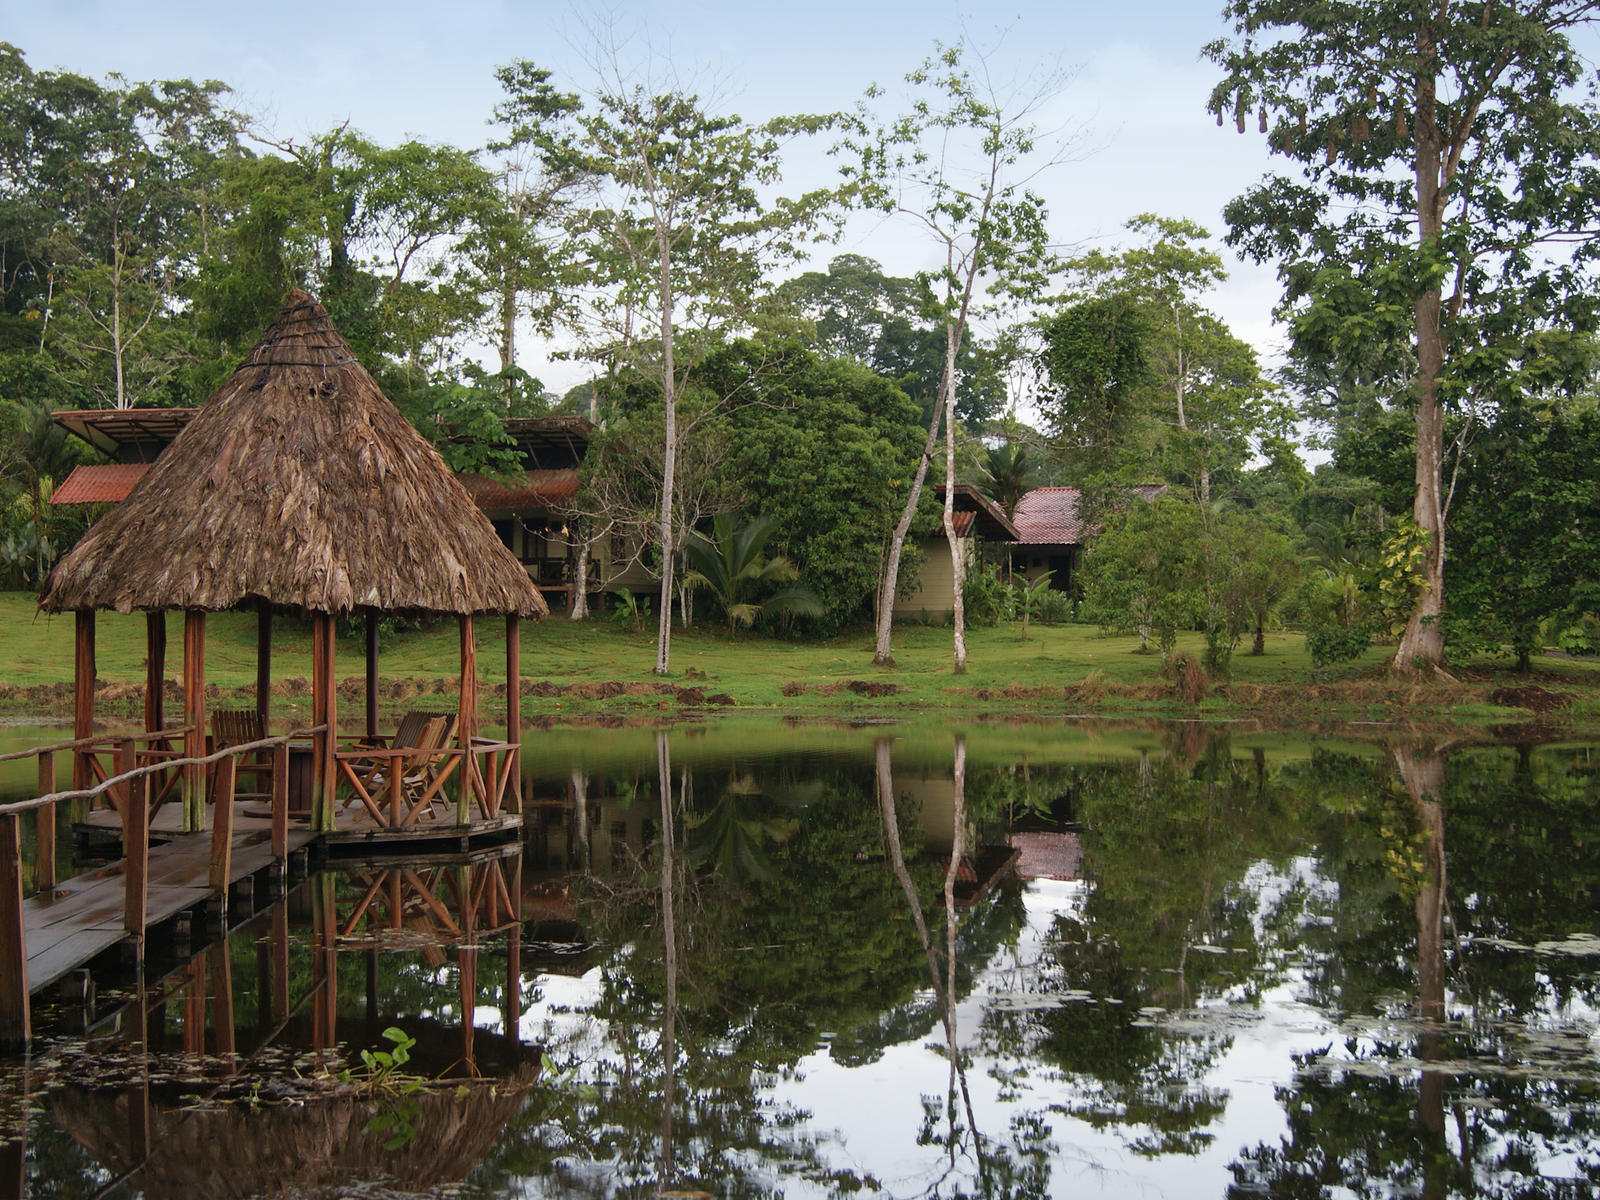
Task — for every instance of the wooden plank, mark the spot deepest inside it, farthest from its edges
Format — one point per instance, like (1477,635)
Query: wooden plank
(67,955)
(467,724)
(14,1016)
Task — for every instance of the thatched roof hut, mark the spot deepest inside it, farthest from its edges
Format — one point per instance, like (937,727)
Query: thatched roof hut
(300,485)
(297,487)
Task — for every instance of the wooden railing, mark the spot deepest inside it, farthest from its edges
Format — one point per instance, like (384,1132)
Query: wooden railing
(129,791)
(486,783)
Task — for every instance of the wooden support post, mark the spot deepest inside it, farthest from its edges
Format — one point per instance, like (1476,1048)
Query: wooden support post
(13,940)
(372,674)
(44,827)
(82,693)
(194,715)
(222,831)
(155,670)
(280,801)
(264,665)
(467,964)
(514,705)
(136,860)
(324,711)
(467,724)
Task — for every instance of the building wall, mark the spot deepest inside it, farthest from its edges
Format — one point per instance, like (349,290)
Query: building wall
(934,597)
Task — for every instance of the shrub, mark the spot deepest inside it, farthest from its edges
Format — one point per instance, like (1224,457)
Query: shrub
(988,600)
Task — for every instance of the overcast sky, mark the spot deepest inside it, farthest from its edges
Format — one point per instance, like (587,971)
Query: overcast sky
(404,68)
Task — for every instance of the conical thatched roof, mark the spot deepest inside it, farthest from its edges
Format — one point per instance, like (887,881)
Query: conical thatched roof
(298,483)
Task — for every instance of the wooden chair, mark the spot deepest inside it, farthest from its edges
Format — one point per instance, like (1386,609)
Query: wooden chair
(412,768)
(236,727)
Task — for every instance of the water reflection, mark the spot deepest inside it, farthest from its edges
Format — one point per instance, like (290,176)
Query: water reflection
(1182,964)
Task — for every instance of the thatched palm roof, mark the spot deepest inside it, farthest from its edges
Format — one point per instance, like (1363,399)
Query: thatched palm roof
(299,484)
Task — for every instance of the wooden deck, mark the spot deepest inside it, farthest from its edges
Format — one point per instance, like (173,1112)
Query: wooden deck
(83,916)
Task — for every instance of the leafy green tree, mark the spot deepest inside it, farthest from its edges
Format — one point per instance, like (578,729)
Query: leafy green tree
(681,239)
(1094,365)
(960,163)
(880,320)
(732,564)
(1528,483)
(825,448)
(1142,571)
(1195,386)
(1446,196)
(519,250)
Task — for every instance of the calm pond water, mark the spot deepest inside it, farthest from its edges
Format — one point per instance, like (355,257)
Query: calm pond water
(1179,962)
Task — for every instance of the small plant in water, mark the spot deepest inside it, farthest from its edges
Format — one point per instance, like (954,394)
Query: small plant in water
(396,1088)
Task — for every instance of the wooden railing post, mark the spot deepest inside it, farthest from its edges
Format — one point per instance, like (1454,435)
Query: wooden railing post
(280,801)
(44,827)
(222,830)
(13,939)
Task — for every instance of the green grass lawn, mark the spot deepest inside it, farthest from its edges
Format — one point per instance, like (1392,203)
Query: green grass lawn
(1004,670)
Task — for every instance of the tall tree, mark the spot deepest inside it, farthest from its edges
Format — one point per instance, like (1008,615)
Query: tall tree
(959,163)
(1200,389)
(1447,196)
(681,238)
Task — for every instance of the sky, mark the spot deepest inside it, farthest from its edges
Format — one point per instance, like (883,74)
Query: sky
(1133,104)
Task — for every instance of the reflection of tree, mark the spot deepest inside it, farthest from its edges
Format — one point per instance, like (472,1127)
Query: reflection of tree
(1166,923)
(1435,1104)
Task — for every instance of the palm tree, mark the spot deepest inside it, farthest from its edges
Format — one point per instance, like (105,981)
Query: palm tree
(1008,470)
(733,566)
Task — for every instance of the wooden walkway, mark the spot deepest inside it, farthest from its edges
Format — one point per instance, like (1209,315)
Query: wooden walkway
(84,916)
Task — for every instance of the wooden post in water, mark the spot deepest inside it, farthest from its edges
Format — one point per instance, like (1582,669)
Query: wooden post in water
(264,665)
(222,832)
(82,693)
(155,670)
(514,705)
(194,715)
(44,827)
(136,852)
(467,726)
(13,941)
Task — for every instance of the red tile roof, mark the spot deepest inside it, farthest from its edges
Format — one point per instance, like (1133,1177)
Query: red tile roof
(1048,516)
(109,483)
(537,489)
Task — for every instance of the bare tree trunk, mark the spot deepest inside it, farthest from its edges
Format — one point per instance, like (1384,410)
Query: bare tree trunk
(508,324)
(882,655)
(580,574)
(669,463)
(580,818)
(1422,644)
(958,563)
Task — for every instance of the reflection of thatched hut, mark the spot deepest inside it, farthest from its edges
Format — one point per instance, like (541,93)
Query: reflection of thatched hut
(299,488)
(315,1147)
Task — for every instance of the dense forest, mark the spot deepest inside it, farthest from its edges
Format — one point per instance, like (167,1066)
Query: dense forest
(1433,231)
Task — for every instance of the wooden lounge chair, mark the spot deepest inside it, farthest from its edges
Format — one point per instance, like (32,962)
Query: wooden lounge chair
(424,737)
(236,727)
